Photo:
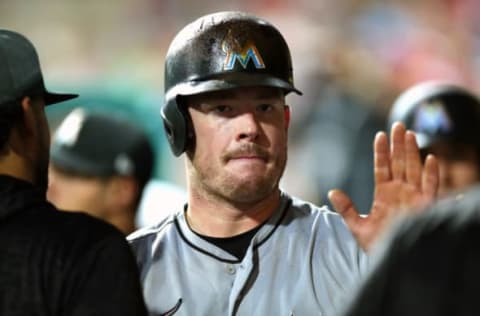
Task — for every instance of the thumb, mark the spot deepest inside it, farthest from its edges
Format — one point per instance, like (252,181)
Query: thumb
(343,205)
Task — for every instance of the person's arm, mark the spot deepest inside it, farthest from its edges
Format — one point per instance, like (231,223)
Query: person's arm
(106,281)
(402,185)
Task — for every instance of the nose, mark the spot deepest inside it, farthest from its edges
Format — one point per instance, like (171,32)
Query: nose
(248,127)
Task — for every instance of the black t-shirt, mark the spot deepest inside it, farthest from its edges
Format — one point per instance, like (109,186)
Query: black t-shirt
(235,245)
(59,263)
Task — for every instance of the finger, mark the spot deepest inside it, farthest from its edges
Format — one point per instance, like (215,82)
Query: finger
(430,178)
(381,156)
(398,150)
(343,205)
(413,161)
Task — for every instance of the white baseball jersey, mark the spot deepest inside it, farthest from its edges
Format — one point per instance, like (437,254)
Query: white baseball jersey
(301,262)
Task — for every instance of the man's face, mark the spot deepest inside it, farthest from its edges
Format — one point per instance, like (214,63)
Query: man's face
(72,192)
(240,147)
(459,166)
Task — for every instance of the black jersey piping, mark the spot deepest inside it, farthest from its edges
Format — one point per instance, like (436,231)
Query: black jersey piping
(287,206)
(177,225)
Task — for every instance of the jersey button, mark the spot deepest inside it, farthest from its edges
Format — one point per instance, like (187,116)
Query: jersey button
(231,269)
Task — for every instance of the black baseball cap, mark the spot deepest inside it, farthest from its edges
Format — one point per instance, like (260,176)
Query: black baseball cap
(20,72)
(100,144)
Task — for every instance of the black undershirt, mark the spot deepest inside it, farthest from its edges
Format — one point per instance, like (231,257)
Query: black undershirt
(236,245)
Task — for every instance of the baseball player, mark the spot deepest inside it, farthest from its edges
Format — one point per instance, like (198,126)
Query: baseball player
(99,164)
(241,245)
(446,119)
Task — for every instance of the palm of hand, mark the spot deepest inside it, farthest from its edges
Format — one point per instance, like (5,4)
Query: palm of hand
(402,186)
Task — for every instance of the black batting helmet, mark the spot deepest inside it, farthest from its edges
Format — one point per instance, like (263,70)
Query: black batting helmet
(439,111)
(221,51)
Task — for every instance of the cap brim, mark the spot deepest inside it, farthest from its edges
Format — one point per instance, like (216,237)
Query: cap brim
(63,158)
(52,98)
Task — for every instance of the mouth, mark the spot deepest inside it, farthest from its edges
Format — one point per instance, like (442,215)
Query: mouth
(248,158)
(248,154)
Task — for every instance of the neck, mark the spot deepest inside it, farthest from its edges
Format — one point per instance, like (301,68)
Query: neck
(124,221)
(15,166)
(216,217)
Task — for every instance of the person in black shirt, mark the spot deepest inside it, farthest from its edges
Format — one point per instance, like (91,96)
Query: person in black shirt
(427,265)
(51,262)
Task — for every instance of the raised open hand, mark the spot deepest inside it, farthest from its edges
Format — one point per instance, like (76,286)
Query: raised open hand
(402,185)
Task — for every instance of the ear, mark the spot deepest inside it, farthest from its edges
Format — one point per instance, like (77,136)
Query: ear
(29,122)
(22,132)
(287,116)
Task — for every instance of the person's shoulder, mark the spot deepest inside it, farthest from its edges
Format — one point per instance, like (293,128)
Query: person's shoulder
(307,208)
(83,223)
(326,228)
(70,227)
(307,213)
(67,236)
(145,239)
(153,231)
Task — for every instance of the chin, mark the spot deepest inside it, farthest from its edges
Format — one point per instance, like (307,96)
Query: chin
(248,191)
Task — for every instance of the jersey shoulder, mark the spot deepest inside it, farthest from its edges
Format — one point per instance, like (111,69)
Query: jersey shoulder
(319,222)
(152,232)
(303,208)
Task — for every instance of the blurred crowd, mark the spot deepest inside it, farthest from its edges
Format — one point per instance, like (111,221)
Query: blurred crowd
(350,58)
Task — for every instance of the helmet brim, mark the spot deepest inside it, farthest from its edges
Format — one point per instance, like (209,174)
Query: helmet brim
(236,80)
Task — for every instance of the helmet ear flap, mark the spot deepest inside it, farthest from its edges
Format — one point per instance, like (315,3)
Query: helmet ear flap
(175,122)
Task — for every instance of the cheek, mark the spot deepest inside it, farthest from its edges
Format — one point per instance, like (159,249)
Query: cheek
(211,139)
(464,174)
(61,195)
(74,195)
(277,135)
